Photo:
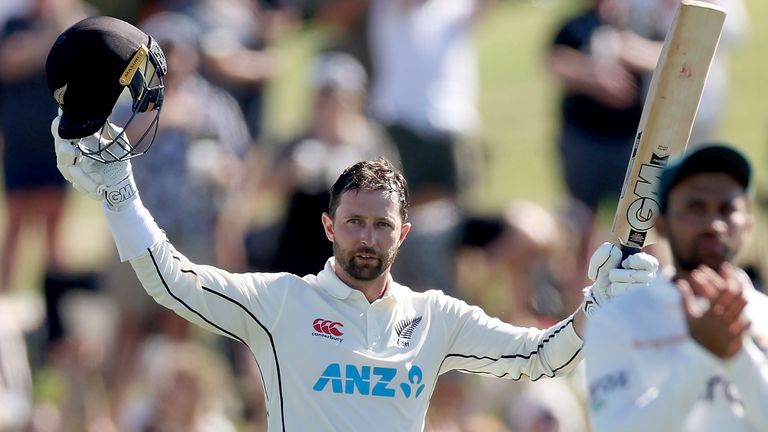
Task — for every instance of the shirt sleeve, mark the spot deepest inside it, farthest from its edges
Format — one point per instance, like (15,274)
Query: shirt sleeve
(222,302)
(133,229)
(748,371)
(620,399)
(233,305)
(480,344)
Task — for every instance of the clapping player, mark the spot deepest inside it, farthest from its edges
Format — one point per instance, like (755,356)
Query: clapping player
(685,354)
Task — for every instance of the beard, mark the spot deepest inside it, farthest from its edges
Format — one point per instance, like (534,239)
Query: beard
(366,271)
(689,257)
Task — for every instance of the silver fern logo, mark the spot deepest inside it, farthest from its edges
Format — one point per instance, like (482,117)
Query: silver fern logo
(404,330)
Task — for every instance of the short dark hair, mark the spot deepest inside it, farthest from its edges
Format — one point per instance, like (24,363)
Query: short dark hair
(371,175)
(706,158)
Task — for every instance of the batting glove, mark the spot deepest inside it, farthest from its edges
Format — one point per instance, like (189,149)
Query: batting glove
(611,281)
(111,182)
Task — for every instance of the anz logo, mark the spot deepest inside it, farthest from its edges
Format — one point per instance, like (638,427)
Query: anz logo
(370,381)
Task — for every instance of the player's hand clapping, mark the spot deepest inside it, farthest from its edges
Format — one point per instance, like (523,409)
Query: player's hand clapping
(720,326)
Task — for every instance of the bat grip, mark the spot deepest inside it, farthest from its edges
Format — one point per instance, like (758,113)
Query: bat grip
(626,251)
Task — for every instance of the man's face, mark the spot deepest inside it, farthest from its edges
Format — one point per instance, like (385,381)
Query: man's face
(366,232)
(707,220)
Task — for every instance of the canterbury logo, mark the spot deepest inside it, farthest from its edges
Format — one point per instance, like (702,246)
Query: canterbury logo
(328,327)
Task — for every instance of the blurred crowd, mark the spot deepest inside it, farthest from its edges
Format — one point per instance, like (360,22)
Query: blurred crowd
(90,351)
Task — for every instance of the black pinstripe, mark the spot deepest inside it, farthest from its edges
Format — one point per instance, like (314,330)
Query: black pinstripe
(512,356)
(230,334)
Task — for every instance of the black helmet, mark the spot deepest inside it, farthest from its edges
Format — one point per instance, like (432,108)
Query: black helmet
(88,68)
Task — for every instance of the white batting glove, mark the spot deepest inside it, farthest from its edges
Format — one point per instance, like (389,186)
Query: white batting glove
(112,183)
(611,281)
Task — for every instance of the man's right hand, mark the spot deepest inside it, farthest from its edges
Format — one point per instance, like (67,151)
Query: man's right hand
(721,326)
(109,182)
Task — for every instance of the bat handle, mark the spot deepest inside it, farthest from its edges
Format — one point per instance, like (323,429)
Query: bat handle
(626,251)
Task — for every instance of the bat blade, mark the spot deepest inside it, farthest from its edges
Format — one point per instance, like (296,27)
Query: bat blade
(668,115)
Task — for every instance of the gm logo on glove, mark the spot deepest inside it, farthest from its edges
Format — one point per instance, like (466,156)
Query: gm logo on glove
(117,196)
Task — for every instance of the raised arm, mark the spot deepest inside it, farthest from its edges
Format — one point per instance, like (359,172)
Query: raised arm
(232,305)
(480,344)
(485,345)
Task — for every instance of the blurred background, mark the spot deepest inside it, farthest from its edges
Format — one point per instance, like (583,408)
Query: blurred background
(512,121)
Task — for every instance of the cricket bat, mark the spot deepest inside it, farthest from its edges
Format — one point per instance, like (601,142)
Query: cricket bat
(667,118)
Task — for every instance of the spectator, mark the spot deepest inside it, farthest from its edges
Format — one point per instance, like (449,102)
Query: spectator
(652,19)
(347,23)
(15,377)
(599,68)
(551,407)
(199,145)
(182,387)
(233,40)
(425,89)
(526,259)
(34,190)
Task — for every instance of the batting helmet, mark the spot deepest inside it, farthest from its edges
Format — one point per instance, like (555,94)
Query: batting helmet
(89,67)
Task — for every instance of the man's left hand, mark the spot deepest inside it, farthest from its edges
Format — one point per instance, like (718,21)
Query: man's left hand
(613,277)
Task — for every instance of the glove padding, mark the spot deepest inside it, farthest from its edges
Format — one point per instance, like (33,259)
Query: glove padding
(109,182)
(611,281)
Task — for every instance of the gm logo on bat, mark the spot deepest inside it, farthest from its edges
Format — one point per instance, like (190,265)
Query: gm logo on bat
(641,211)
(370,381)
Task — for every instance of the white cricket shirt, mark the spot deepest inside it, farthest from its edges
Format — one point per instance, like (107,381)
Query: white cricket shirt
(645,372)
(330,360)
